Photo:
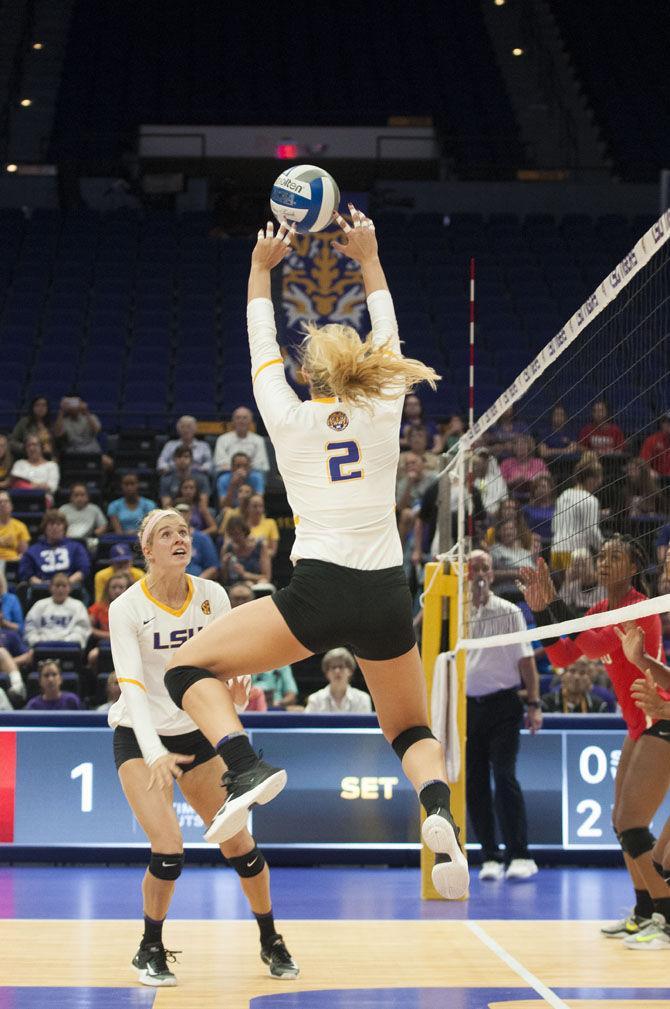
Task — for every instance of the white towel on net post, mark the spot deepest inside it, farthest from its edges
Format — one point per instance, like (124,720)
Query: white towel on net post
(444,712)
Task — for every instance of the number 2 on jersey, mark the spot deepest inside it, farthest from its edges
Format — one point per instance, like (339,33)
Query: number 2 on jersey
(348,455)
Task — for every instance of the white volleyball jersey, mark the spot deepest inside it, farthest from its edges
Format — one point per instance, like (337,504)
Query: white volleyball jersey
(144,633)
(339,463)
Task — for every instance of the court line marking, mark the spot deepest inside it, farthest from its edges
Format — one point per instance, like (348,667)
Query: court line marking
(534,982)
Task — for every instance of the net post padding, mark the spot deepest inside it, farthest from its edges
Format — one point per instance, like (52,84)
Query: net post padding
(443,585)
(639,256)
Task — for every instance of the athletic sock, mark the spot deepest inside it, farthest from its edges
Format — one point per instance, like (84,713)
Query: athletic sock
(644,905)
(266,925)
(662,906)
(433,794)
(236,752)
(153,932)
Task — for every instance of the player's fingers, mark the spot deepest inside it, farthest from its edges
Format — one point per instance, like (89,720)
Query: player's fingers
(270,230)
(619,633)
(339,248)
(261,234)
(289,235)
(184,758)
(650,679)
(283,228)
(341,221)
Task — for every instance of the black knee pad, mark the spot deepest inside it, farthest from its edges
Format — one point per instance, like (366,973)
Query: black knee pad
(178,679)
(248,865)
(663,873)
(636,841)
(408,737)
(166,866)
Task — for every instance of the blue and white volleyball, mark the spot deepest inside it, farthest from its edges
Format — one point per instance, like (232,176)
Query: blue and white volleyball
(305,196)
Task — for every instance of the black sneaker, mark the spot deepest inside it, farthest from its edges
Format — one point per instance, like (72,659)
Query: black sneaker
(278,958)
(258,785)
(450,873)
(151,962)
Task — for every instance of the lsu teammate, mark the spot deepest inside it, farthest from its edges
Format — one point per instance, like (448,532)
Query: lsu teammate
(338,455)
(155,742)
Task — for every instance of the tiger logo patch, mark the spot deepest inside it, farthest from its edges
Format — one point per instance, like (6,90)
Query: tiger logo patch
(338,420)
(206,608)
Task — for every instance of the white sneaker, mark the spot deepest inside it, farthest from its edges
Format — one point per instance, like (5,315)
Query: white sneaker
(492,870)
(653,936)
(521,868)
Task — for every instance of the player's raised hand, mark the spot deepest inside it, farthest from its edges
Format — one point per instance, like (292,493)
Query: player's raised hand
(648,699)
(632,642)
(537,586)
(360,240)
(166,769)
(270,249)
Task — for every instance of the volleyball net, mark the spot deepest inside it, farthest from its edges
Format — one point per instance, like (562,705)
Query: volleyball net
(574,455)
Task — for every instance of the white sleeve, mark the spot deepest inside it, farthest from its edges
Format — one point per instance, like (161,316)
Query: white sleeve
(518,623)
(273,394)
(221,454)
(123,628)
(313,704)
(382,317)
(53,479)
(592,518)
(31,629)
(80,628)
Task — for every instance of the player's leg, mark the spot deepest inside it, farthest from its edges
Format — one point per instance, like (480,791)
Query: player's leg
(398,689)
(154,812)
(248,639)
(201,788)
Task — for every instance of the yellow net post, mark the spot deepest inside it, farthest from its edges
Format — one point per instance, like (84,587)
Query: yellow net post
(442,584)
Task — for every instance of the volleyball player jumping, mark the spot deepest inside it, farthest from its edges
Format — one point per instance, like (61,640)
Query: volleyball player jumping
(338,455)
(155,742)
(643,773)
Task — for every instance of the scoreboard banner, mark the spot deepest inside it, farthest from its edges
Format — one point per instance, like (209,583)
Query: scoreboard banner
(58,786)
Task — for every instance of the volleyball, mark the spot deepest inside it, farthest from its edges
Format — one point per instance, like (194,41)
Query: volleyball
(305,196)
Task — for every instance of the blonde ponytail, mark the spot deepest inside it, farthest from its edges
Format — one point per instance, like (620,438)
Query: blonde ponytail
(338,363)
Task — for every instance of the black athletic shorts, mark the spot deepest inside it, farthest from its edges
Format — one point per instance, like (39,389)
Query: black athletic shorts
(126,746)
(326,606)
(660,729)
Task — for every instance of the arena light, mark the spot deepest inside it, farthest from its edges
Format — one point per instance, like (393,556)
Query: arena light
(25,102)
(12,167)
(286,150)
(39,45)
(499,3)
(517,51)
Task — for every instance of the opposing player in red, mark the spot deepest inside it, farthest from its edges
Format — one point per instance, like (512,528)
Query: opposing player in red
(643,773)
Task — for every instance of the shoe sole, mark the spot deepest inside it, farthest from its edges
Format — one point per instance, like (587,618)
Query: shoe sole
(233,815)
(288,975)
(521,879)
(450,879)
(647,947)
(154,982)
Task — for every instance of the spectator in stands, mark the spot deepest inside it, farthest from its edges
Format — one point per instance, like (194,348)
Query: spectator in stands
(278,685)
(245,493)
(58,618)
(244,558)
(52,698)
(200,516)
(640,489)
(522,466)
(453,429)
(84,519)
(6,462)
(12,643)
(410,489)
(11,614)
(413,416)
(417,440)
(242,439)
(240,593)
(539,511)
(502,436)
(98,614)
(14,535)
(262,528)
(662,542)
(494,713)
(35,472)
(37,422)
(112,692)
(54,553)
(488,479)
(204,560)
(338,666)
(202,453)
(576,522)
(76,429)
(126,513)
(573,694)
(121,559)
(509,508)
(229,483)
(557,438)
(16,694)
(656,447)
(171,482)
(602,435)
(508,554)
(580,588)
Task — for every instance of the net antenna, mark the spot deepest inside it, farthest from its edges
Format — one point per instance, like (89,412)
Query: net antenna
(608,367)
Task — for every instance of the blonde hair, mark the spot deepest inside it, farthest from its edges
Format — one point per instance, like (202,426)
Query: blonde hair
(338,363)
(153,519)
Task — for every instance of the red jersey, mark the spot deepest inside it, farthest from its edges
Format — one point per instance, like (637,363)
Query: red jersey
(99,614)
(603,643)
(602,438)
(656,451)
